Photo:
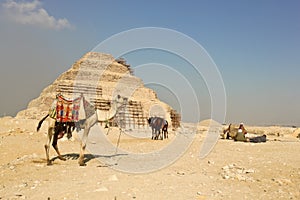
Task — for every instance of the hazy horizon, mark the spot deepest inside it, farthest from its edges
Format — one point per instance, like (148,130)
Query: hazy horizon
(254,44)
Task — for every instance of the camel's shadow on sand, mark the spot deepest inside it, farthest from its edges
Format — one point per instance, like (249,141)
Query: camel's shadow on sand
(87,157)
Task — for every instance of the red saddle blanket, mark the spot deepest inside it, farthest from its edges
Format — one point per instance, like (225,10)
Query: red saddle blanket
(67,110)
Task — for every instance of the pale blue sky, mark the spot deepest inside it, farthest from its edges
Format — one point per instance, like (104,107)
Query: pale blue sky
(255,45)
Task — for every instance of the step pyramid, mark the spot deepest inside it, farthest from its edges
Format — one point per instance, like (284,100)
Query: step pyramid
(101,78)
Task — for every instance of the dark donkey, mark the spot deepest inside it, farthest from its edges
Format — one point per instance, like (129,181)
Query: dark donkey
(156,124)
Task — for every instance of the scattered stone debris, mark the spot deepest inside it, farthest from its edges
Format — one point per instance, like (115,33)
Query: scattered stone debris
(181,173)
(101,189)
(23,159)
(210,162)
(113,178)
(283,181)
(19,196)
(232,171)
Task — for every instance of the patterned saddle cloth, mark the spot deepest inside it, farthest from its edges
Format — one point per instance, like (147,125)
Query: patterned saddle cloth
(65,110)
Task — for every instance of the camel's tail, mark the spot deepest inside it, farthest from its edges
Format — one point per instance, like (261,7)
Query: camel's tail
(40,123)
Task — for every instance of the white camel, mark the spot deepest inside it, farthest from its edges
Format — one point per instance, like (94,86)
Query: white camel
(54,128)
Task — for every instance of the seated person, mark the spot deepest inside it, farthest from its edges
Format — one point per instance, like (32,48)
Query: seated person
(232,131)
(243,128)
(240,136)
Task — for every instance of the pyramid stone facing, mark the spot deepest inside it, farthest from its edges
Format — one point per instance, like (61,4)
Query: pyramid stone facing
(101,78)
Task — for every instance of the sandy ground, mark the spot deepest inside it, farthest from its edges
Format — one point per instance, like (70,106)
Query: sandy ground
(233,170)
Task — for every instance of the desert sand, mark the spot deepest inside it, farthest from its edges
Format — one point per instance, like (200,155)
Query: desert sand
(232,170)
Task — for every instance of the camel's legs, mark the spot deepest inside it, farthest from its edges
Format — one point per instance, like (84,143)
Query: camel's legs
(83,146)
(47,145)
(88,124)
(54,143)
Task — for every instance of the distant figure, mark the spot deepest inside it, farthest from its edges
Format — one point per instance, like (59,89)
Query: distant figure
(226,132)
(165,130)
(258,139)
(240,136)
(243,128)
(231,131)
(158,123)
